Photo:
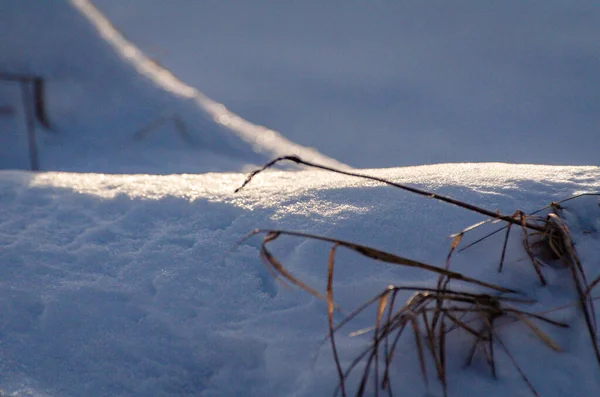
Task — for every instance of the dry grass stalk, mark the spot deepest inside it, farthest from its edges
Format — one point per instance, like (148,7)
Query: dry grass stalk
(475,314)
(411,189)
(556,244)
(558,238)
(38,87)
(433,313)
(552,204)
(179,125)
(279,270)
(34,108)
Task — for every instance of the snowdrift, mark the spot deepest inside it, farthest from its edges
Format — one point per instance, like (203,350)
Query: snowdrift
(127,285)
(103,96)
(138,285)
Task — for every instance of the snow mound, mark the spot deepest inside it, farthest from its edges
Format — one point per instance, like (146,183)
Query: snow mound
(101,95)
(122,285)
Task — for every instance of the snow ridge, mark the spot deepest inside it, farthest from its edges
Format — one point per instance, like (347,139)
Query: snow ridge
(261,139)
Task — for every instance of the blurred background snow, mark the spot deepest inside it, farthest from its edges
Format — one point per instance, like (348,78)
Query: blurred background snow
(386,83)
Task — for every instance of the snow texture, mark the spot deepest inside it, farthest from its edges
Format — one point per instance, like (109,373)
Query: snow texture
(386,83)
(102,91)
(138,285)
(127,285)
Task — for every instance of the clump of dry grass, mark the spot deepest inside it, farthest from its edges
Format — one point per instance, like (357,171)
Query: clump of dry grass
(555,244)
(433,313)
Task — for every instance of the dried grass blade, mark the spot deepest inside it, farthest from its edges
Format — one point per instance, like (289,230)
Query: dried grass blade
(492,360)
(443,280)
(474,226)
(579,278)
(503,255)
(357,311)
(592,285)
(461,324)
(473,349)
(39,99)
(536,316)
(536,264)
(514,362)
(540,334)
(583,298)
(419,345)
(377,339)
(442,354)
(330,307)
(488,315)
(371,301)
(453,246)
(380,309)
(585,285)
(431,339)
(385,381)
(270,260)
(365,378)
(411,189)
(351,367)
(504,227)
(401,327)
(388,258)
(481,239)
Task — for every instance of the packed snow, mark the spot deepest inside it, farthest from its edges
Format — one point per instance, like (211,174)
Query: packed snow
(116,281)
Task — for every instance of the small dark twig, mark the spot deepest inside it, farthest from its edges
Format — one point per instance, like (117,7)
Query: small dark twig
(38,94)
(34,160)
(179,125)
(39,99)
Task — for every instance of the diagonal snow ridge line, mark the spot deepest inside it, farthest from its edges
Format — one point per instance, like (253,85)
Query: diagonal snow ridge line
(131,53)
(261,138)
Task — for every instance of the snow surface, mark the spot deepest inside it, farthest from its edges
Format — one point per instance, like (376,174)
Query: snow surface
(101,90)
(127,285)
(436,81)
(134,285)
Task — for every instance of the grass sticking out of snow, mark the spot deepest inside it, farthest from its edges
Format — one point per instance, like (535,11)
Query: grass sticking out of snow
(434,313)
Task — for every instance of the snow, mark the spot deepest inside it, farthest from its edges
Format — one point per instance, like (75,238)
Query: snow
(101,90)
(127,284)
(436,81)
(128,275)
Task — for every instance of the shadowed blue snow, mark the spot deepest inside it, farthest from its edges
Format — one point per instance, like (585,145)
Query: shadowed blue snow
(111,108)
(387,83)
(126,285)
